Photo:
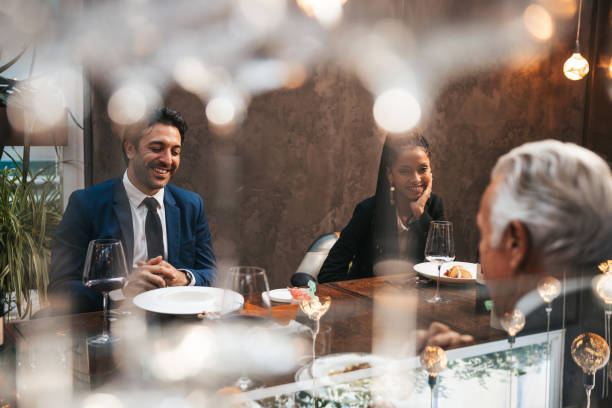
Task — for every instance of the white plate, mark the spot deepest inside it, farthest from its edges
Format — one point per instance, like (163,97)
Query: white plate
(186,300)
(336,362)
(282,296)
(430,271)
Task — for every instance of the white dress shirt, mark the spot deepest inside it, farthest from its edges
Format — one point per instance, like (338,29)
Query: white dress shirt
(139,216)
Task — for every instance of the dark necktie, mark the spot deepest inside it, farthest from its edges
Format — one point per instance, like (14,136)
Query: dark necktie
(153,229)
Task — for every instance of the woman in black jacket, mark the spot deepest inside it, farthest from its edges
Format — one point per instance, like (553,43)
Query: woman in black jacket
(393,224)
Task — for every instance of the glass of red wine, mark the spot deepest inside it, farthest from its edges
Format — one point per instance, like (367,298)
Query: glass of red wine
(105,270)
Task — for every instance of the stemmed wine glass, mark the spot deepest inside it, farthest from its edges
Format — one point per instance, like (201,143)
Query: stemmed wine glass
(105,270)
(315,308)
(440,248)
(251,283)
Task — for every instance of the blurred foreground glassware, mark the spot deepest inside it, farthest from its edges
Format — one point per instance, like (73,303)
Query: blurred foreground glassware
(315,308)
(602,286)
(105,270)
(548,289)
(591,353)
(439,249)
(512,322)
(251,282)
(433,360)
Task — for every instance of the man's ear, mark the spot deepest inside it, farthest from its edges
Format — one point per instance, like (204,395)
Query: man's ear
(516,244)
(129,148)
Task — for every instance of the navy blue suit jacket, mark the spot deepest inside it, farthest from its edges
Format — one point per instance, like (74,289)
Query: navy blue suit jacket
(103,211)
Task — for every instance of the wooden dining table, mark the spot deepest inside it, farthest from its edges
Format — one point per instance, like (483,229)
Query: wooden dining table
(351,316)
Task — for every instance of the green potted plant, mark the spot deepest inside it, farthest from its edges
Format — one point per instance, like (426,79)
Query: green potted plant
(30,210)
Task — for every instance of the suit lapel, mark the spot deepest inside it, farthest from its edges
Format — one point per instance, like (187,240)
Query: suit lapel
(121,208)
(173,226)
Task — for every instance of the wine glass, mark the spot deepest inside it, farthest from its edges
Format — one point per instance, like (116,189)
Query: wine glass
(105,270)
(440,248)
(315,308)
(251,283)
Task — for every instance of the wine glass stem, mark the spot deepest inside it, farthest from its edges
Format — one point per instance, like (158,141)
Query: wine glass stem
(315,331)
(105,308)
(437,296)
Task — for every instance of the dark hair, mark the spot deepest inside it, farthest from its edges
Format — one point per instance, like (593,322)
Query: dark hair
(385,213)
(164,116)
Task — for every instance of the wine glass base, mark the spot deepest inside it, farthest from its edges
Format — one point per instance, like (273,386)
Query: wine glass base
(246,384)
(101,340)
(437,299)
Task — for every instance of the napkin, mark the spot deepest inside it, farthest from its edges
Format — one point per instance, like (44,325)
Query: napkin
(282,314)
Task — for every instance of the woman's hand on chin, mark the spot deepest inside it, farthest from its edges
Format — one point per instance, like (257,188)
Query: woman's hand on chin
(418,207)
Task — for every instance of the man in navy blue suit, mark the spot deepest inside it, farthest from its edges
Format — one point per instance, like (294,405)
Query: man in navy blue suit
(163,228)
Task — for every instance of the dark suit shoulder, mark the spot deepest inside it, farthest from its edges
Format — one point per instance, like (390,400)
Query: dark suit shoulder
(95,196)
(184,197)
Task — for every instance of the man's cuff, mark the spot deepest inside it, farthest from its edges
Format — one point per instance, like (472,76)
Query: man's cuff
(189,276)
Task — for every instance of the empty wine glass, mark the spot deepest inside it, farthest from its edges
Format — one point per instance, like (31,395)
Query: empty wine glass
(105,270)
(440,248)
(251,283)
(315,308)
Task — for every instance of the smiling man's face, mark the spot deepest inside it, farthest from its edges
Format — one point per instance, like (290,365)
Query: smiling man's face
(155,159)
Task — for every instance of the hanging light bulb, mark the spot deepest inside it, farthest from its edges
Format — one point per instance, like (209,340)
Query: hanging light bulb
(591,353)
(433,360)
(576,67)
(549,288)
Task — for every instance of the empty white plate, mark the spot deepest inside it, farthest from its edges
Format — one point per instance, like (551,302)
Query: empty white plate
(186,300)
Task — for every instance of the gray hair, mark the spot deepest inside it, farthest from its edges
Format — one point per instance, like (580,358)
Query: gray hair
(562,193)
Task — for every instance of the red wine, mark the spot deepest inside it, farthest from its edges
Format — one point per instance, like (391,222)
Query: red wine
(105,285)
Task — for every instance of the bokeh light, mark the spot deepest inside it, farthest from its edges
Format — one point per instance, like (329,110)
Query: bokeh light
(396,110)
(39,104)
(221,111)
(191,74)
(263,14)
(327,12)
(576,67)
(129,104)
(538,22)
(102,400)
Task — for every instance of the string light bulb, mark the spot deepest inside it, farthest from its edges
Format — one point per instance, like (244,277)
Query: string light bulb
(433,360)
(591,353)
(549,288)
(576,67)
(513,322)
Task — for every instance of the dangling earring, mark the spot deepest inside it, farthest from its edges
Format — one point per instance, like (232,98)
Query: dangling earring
(392,195)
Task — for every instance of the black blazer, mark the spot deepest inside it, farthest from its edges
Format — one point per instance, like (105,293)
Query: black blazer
(358,245)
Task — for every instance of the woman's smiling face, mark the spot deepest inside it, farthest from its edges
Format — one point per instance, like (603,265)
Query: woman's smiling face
(411,173)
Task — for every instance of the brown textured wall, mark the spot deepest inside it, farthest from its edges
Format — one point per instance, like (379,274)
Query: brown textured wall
(302,159)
